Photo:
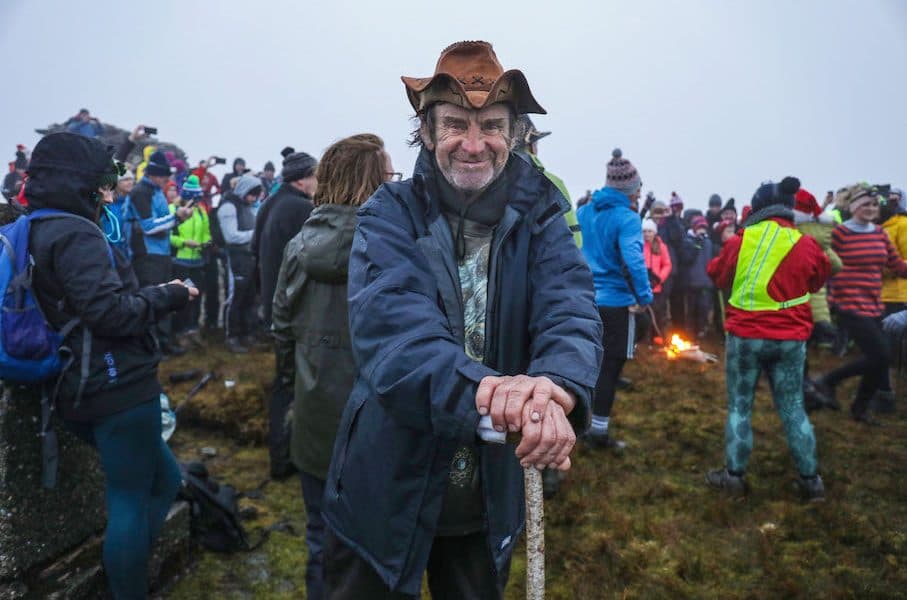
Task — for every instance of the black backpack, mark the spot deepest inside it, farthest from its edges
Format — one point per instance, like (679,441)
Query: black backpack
(217,235)
(215,521)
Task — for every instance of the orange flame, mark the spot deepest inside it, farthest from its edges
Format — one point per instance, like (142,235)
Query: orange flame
(677,346)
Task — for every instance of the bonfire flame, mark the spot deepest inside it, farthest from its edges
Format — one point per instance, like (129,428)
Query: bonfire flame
(687,350)
(678,346)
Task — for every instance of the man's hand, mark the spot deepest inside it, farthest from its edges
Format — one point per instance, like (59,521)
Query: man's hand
(636,309)
(547,443)
(137,133)
(183,213)
(190,244)
(506,398)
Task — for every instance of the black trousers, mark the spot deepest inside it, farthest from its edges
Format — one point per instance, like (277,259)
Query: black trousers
(240,304)
(312,495)
(155,269)
(186,319)
(618,339)
(459,568)
(211,284)
(872,366)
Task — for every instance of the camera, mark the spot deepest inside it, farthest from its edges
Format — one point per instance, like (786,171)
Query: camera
(150,130)
(220,160)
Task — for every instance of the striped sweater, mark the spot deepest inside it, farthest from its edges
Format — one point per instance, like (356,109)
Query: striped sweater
(857,288)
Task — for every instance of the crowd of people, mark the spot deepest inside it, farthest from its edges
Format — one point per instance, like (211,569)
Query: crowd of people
(417,323)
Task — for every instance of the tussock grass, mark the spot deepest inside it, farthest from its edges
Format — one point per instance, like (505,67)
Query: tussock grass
(641,524)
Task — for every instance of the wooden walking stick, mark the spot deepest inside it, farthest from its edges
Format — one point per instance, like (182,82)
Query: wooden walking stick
(535,513)
(535,534)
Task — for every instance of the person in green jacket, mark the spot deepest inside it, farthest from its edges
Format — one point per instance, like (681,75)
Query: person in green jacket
(527,144)
(310,322)
(189,242)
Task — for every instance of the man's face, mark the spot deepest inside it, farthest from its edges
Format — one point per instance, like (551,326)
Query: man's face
(470,146)
(728,215)
(159,180)
(677,209)
(239,167)
(252,198)
(307,185)
(84,117)
(714,210)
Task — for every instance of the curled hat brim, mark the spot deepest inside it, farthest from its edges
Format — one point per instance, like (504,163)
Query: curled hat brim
(511,88)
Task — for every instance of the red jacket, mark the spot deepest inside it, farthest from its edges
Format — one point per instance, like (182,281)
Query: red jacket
(660,264)
(803,270)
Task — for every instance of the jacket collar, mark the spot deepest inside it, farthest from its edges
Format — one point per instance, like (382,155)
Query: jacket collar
(530,193)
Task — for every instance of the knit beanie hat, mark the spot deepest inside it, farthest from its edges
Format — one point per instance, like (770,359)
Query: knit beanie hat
(191,188)
(699,222)
(649,225)
(806,203)
(246,185)
(158,165)
(297,165)
(770,194)
(659,209)
(714,200)
(622,174)
(854,196)
(676,200)
(269,166)
(729,205)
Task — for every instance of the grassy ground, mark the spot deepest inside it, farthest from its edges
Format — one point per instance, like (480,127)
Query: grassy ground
(641,524)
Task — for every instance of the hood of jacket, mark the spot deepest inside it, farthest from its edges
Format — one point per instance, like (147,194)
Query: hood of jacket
(609,197)
(65,172)
(327,238)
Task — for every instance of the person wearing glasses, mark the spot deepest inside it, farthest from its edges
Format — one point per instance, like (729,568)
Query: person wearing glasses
(311,326)
(237,224)
(856,293)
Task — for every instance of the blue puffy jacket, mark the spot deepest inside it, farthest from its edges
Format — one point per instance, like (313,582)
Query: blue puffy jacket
(413,402)
(612,244)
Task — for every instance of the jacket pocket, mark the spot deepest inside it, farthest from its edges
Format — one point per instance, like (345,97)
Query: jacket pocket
(348,432)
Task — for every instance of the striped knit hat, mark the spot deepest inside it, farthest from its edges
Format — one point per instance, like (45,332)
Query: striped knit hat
(622,175)
(191,188)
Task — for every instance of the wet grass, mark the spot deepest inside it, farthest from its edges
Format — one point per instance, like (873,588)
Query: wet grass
(641,524)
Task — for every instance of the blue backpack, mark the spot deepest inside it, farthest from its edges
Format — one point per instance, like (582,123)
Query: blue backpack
(29,346)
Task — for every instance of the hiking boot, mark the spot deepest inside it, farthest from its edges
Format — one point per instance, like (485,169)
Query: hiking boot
(864,417)
(824,393)
(235,346)
(734,486)
(811,488)
(604,442)
(551,483)
(882,402)
(624,383)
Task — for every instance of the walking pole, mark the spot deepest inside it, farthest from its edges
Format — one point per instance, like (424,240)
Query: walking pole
(535,534)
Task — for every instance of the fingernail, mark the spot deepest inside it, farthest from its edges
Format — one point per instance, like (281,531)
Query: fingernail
(536,416)
(499,428)
(483,411)
(524,464)
(513,427)
(540,467)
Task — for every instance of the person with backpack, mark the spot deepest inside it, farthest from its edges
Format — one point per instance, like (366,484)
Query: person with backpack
(109,392)
(235,224)
(150,236)
(310,305)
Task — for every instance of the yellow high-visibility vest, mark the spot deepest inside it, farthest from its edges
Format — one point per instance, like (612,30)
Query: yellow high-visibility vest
(763,248)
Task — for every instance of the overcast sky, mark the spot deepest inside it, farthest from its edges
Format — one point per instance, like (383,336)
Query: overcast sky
(702,96)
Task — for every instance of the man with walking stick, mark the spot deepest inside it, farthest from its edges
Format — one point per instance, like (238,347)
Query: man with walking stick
(472,316)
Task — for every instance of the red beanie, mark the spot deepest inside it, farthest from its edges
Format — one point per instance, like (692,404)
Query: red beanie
(806,203)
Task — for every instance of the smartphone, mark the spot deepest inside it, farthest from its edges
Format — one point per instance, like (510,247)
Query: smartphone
(150,130)
(189,283)
(220,161)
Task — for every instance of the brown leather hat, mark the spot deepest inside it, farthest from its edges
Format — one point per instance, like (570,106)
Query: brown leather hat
(469,75)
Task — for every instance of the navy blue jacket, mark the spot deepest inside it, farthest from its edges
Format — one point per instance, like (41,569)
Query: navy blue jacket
(695,255)
(413,402)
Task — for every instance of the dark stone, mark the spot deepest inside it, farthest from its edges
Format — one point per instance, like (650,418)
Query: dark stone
(38,525)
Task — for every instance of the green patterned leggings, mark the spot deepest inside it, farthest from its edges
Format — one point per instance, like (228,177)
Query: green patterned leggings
(782,360)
